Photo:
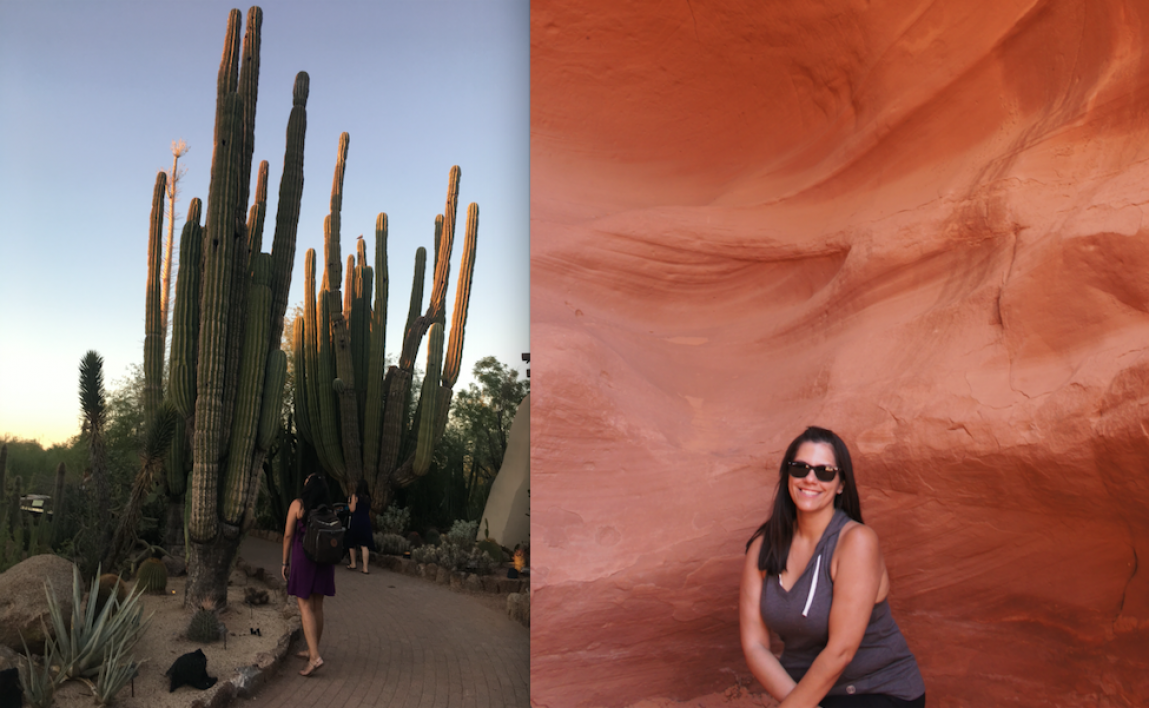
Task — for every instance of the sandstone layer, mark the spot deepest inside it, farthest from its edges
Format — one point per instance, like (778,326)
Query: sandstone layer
(917,223)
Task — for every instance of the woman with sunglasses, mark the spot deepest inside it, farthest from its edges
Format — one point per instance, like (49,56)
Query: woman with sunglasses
(815,575)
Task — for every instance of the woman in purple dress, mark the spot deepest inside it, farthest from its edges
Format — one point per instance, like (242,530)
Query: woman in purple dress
(308,581)
(359,534)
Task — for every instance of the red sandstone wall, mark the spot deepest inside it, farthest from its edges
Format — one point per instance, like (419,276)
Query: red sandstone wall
(917,223)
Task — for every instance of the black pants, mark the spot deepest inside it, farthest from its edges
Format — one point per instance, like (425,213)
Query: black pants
(874,700)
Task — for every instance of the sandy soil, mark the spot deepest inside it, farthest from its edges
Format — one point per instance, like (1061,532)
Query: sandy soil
(163,641)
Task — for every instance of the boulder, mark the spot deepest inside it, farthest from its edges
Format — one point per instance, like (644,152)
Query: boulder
(442,576)
(24,604)
(472,583)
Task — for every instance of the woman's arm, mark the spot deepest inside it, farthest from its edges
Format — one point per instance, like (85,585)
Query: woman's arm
(288,533)
(351,501)
(755,636)
(859,562)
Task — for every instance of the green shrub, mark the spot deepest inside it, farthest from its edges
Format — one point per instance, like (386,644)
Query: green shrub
(463,533)
(391,544)
(394,520)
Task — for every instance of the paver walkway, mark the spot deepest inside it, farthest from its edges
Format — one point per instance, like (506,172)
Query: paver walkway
(393,640)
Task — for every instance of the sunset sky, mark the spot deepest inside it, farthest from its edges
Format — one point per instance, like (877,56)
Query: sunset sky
(92,96)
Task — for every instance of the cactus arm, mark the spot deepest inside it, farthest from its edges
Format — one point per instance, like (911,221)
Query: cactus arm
(185,314)
(443,255)
(428,400)
(273,398)
(249,397)
(287,214)
(413,329)
(302,416)
(373,406)
(462,299)
(153,318)
(348,409)
(258,212)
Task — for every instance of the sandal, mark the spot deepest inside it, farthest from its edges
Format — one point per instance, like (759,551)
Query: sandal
(366,572)
(312,667)
(350,567)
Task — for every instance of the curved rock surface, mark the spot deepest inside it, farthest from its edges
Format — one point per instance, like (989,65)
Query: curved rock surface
(917,223)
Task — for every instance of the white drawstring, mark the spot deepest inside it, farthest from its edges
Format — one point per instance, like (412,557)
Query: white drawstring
(813,585)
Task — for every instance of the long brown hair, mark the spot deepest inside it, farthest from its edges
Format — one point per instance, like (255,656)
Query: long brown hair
(778,531)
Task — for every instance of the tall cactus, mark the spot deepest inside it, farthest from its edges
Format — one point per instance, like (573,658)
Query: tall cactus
(356,413)
(227,371)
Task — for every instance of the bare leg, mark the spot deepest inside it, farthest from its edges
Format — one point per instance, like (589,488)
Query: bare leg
(317,609)
(364,550)
(307,619)
(311,614)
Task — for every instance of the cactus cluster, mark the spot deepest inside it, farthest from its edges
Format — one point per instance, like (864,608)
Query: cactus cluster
(352,410)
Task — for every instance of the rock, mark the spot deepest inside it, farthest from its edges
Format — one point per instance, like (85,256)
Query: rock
(443,576)
(472,583)
(490,583)
(519,607)
(176,566)
(8,658)
(933,242)
(23,603)
(456,580)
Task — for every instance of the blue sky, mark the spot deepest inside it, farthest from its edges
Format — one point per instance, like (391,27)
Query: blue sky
(93,94)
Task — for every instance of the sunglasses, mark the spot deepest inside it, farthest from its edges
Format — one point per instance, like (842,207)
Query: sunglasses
(824,473)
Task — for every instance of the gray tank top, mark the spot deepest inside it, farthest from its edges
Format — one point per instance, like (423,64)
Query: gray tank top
(801,617)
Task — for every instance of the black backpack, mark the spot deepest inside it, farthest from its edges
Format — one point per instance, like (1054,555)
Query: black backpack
(323,540)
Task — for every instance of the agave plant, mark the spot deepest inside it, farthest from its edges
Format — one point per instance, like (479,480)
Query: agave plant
(83,644)
(117,670)
(38,681)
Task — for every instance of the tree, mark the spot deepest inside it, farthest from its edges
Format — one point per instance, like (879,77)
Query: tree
(471,451)
(94,408)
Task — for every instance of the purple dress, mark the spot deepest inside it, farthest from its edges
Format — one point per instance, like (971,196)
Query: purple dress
(307,577)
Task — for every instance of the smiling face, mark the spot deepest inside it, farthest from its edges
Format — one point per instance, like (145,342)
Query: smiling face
(810,494)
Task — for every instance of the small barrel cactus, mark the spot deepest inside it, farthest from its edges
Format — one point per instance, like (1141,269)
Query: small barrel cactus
(110,584)
(152,576)
(205,626)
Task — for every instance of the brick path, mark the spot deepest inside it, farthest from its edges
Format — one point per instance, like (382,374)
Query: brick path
(394,640)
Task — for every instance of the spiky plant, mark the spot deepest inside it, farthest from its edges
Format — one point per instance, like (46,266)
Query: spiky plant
(39,681)
(204,626)
(95,411)
(118,668)
(82,642)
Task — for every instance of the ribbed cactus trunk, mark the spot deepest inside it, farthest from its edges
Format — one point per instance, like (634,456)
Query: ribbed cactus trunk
(235,368)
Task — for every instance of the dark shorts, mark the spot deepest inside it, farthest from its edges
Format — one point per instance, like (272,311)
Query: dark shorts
(874,700)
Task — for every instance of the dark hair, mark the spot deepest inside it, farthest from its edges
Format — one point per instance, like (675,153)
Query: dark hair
(314,494)
(363,494)
(778,531)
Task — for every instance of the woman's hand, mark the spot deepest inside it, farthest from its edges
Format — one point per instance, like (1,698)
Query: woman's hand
(755,636)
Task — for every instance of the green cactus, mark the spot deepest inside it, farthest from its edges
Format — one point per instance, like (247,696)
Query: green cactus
(205,627)
(152,576)
(227,371)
